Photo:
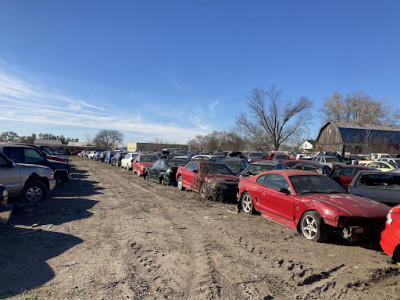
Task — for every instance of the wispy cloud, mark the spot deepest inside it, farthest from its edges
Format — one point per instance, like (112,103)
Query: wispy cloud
(22,101)
(214,104)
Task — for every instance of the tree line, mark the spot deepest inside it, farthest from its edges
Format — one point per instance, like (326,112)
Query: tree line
(10,136)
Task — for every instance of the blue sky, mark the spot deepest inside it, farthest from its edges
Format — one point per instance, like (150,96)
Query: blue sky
(173,69)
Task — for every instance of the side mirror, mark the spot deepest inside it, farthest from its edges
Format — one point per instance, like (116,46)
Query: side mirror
(196,171)
(11,164)
(285,191)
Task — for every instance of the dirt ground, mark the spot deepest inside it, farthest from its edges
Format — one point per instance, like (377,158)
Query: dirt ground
(108,234)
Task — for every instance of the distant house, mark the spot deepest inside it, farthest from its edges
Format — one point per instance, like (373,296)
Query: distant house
(359,139)
(136,146)
(307,146)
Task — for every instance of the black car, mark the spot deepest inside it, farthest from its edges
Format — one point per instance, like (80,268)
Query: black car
(21,154)
(163,171)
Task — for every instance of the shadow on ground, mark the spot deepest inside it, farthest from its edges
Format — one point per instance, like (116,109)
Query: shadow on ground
(23,256)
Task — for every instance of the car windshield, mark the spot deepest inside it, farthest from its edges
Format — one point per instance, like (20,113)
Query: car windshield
(315,184)
(380,181)
(149,158)
(233,165)
(332,159)
(217,169)
(174,163)
(257,154)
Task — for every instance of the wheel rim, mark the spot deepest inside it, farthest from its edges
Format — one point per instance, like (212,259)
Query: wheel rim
(180,183)
(203,192)
(247,203)
(34,194)
(310,228)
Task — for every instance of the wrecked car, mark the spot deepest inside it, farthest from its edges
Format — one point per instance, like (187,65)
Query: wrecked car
(311,203)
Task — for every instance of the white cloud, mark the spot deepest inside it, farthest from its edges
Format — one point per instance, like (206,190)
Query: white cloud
(21,101)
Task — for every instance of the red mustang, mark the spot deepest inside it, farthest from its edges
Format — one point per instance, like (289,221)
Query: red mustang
(311,203)
(212,180)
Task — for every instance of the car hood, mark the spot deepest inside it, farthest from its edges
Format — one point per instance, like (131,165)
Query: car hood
(30,166)
(353,205)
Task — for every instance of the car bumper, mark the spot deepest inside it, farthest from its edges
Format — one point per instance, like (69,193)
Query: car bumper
(52,184)
(5,213)
(362,233)
(389,240)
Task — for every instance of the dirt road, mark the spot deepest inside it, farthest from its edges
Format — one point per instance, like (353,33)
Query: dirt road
(108,234)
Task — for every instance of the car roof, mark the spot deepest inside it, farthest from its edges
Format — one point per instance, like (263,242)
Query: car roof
(291,172)
(354,167)
(265,162)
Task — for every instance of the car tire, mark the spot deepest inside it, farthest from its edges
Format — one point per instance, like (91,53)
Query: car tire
(203,192)
(138,173)
(312,227)
(162,181)
(247,204)
(180,184)
(34,191)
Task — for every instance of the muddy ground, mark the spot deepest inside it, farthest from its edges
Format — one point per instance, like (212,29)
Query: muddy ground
(108,234)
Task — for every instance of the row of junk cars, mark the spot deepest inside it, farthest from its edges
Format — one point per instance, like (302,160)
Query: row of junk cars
(317,196)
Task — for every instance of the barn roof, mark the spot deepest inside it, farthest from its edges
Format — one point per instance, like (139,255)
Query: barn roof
(370,133)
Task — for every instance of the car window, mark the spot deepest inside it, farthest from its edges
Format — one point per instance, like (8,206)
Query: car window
(15,154)
(193,167)
(276,182)
(374,165)
(380,181)
(148,158)
(261,179)
(156,164)
(32,156)
(3,161)
(347,172)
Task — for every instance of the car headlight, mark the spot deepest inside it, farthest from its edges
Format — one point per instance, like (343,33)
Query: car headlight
(389,218)
(168,171)
(5,195)
(215,184)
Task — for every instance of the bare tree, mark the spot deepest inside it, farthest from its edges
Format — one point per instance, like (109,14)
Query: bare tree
(273,120)
(358,108)
(9,136)
(107,139)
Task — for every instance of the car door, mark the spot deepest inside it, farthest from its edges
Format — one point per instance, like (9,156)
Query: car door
(259,193)
(279,203)
(346,176)
(10,177)
(192,169)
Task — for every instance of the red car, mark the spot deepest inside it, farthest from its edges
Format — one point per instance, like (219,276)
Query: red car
(142,162)
(390,237)
(210,179)
(312,203)
(344,174)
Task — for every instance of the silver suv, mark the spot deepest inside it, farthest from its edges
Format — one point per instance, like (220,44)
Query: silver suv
(30,182)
